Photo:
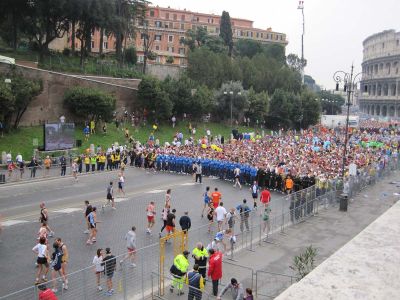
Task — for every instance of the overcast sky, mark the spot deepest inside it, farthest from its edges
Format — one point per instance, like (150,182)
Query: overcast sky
(335,29)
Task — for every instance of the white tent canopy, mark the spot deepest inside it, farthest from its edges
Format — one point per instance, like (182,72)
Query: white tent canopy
(7,60)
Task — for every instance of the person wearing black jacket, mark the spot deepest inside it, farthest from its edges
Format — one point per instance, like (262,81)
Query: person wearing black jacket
(185,222)
(63,163)
(33,166)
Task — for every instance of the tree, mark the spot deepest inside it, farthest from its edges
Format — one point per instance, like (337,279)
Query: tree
(73,11)
(280,110)
(276,52)
(238,99)
(215,44)
(248,47)
(330,103)
(311,108)
(46,21)
(180,93)
(205,67)
(225,31)
(12,21)
(16,96)
(170,59)
(202,102)
(90,103)
(24,91)
(126,12)
(130,55)
(196,38)
(7,103)
(152,98)
(258,105)
(295,62)
(147,45)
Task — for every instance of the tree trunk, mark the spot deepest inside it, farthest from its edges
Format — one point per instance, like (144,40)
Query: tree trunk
(144,63)
(82,39)
(118,47)
(101,40)
(14,33)
(73,35)
(88,37)
(19,117)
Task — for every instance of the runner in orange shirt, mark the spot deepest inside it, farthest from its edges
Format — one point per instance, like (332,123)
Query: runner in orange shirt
(289,184)
(216,197)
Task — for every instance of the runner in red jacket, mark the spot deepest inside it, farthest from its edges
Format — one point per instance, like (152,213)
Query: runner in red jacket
(215,269)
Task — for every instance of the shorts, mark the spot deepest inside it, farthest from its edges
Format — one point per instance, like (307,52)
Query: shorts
(150,219)
(42,261)
(109,197)
(169,228)
(254,195)
(131,250)
(92,225)
(265,201)
(120,185)
(206,200)
(110,275)
(56,269)
(237,176)
(210,218)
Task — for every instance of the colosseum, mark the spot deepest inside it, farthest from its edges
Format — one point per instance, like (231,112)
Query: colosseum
(380,84)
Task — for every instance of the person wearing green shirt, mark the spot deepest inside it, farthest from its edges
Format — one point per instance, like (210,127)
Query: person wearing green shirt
(200,255)
(93,162)
(178,271)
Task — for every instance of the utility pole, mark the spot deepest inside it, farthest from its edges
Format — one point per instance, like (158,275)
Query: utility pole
(301,7)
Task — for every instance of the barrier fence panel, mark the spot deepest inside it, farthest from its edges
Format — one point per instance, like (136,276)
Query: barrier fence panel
(270,285)
(246,274)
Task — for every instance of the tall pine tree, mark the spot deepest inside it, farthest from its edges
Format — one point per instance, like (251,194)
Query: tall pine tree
(225,31)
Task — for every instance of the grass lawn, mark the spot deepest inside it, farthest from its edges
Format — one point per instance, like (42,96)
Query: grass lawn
(21,140)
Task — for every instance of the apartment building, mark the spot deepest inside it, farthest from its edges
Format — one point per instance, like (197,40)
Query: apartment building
(167,27)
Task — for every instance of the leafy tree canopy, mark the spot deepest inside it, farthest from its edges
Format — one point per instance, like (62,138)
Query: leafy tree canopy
(90,103)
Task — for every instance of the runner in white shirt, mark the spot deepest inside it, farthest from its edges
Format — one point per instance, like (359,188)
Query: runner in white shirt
(254,193)
(42,260)
(98,267)
(121,182)
(220,213)
(236,173)
(151,211)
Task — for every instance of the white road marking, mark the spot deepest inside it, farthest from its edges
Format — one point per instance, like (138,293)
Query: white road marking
(68,210)
(155,192)
(121,199)
(188,183)
(13,222)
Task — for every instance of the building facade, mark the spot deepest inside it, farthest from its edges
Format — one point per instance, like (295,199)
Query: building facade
(166,27)
(380,84)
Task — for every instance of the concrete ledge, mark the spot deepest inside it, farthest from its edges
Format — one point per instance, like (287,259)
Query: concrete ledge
(367,267)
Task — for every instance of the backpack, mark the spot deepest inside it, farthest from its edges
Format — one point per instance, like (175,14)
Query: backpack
(243,209)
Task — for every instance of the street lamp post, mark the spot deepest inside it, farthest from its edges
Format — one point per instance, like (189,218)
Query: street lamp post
(231,103)
(349,83)
(301,7)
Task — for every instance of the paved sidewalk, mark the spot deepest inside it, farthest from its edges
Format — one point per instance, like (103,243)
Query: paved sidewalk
(328,231)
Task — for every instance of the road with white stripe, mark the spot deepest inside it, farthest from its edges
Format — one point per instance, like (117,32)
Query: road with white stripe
(19,207)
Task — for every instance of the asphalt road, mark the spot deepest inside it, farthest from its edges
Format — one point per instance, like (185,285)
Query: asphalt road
(19,208)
